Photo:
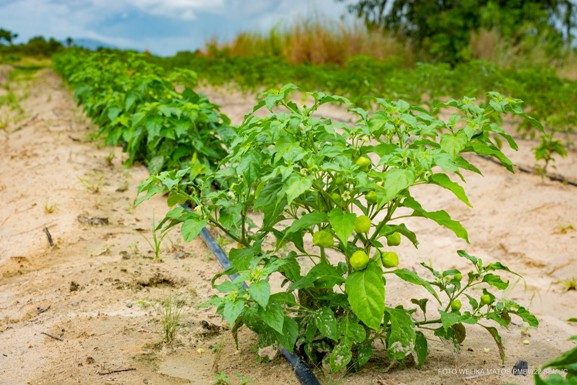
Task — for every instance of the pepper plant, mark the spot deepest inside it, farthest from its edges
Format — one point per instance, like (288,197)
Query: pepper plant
(324,205)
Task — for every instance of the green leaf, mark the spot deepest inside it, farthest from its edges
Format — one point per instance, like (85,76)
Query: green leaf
(402,229)
(495,281)
(250,167)
(444,181)
(460,332)
(288,149)
(155,164)
(296,185)
(325,321)
(191,228)
(421,303)
(270,199)
(555,379)
(396,180)
(484,149)
(240,258)
(289,334)
(341,356)
(495,334)
(534,122)
(228,286)
(567,358)
(130,100)
(421,349)
(232,310)
(412,277)
(321,275)
(323,98)
(176,198)
(401,339)
(364,354)
(496,266)
(113,112)
(151,191)
(351,330)
(274,97)
(501,320)
(441,217)
(453,144)
(153,126)
(343,224)
(273,316)
(260,292)
(464,254)
(306,221)
(366,293)
(291,269)
(283,298)
(526,316)
(446,163)
(382,149)
(168,111)
(453,318)
(176,213)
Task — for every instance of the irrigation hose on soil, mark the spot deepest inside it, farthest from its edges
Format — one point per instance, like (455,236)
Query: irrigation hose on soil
(302,371)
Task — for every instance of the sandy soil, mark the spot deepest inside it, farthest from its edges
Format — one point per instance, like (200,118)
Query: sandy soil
(89,310)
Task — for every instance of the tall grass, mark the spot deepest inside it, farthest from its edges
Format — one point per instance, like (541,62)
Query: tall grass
(533,51)
(315,40)
(319,40)
(568,69)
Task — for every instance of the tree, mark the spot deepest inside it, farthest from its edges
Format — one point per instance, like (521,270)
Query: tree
(441,29)
(7,36)
(39,46)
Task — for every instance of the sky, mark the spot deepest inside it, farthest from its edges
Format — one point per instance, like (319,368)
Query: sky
(163,27)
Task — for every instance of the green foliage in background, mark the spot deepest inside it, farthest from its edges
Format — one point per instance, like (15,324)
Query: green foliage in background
(36,46)
(7,36)
(441,29)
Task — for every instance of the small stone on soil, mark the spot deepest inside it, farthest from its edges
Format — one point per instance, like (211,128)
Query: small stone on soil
(521,368)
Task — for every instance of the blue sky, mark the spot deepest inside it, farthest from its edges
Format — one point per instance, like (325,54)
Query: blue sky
(161,26)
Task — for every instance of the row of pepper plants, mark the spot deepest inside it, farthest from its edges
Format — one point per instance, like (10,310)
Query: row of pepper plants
(549,98)
(154,114)
(321,204)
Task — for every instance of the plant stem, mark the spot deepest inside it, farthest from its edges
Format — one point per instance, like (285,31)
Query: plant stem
(212,220)
(428,322)
(323,255)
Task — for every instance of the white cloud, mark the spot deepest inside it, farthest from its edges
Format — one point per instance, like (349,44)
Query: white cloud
(181,9)
(290,11)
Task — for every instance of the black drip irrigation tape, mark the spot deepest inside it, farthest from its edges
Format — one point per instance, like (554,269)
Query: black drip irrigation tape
(527,170)
(302,372)
(217,251)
